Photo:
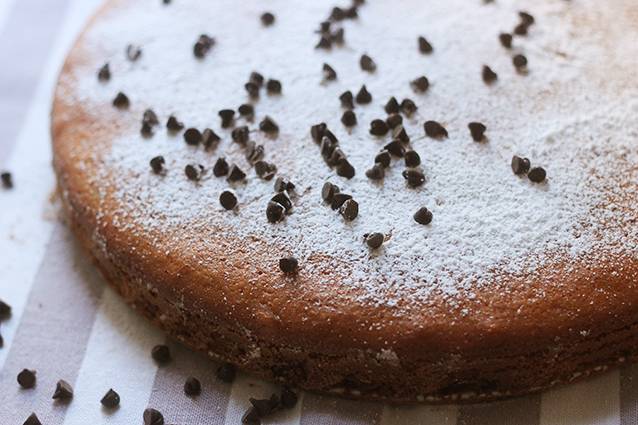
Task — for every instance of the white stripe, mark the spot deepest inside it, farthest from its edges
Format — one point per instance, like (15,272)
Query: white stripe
(592,402)
(5,8)
(28,215)
(422,415)
(117,356)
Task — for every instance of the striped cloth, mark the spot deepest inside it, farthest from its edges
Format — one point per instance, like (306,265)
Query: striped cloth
(68,324)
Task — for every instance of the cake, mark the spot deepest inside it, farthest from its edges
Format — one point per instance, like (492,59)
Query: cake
(381,200)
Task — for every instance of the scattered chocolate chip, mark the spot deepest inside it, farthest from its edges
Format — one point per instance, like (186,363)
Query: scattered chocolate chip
(210,138)
(520,62)
(324,27)
(221,167)
(157,164)
(414,178)
(153,417)
(423,216)
(420,84)
(435,130)
(349,210)
(383,158)
(251,417)
(367,64)
(520,165)
(394,120)
(111,399)
(269,126)
(521,29)
(161,354)
(345,169)
(252,89)
(63,391)
(395,147)
(337,14)
(338,199)
(273,86)
(133,52)
(150,117)
(192,136)
(347,100)
(399,134)
(146,130)
(235,174)
(408,107)
(240,135)
(288,398)
(256,78)
(505,39)
(203,45)
(335,157)
(121,101)
(352,13)
(32,420)
(337,37)
(192,387)
(226,373)
(377,172)
(227,116)
(488,75)
(477,130)
(537,174)
(329,74)
(392,107)
(254,152)
(349,119)
(424,46)
(282,185)
(364,96)
(7,180)
(265,170)
(274,212)
(282,199)
(288,265)
(378,128)
(328,191)
(26,378)
(104,73)
(328,147)
(411,158)
(228,200)
(267,19)
(324,43)
(266,406)
(374,240)
(526,18)
(5,310)
(246,110)
(173,124)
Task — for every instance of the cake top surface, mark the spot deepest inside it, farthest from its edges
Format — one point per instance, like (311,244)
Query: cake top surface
(572,111)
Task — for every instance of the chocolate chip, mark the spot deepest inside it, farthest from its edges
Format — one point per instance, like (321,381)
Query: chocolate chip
(383,158)
(111,399)
(7,180)
(377,172)
(374,240)
(519,61)
(345,169)
(269,126)
(329,74)
(210,138)
(328,191)
(349,119)
(327,147)
(288,264)
(288,398)
(338,199)
(378,128)
(349,210)
(251,417)
(423,216)
(282,185)
(505,39)
(161,354)
(254,152)
(252,89)
(488,75)
(265,170)
(324,27)
(256,78)
(394,120)
(477,130)
(203,45)
(63,391)
(32,420)
(352,13)
(266,406)
(337,14)
(537,174)
(274,212)
(146,130)
(133,52)
(153,417)
(228,200)
(337,37)
(347,100)
(282,199)
(424,46)
(221,167)
(363,97)
(172,124)
(400,134)
(420,84)
(396,148)
(157,164)
(335,157)
(226,373)
(5,310)
(192,136)
(414,178)
(246,110)
(520,165)
(408,107)
(435,130)
(392,107)
(412,158)
(324,43)
(192,387)
(240,135)
(26,378)
(317,131)
(150,117)
(367,64)
(267,19)
(121,101)
(273,86)
(227,116)
(526,18)
(104,73)
(235,174)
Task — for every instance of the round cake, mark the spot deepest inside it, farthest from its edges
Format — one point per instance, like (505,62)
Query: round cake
(381,200)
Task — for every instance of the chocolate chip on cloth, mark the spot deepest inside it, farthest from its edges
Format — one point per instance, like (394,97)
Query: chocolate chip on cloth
(227,116)
(194,171)
(268,126)
(383,158)
(133,52)
(203,45)
(104,73)
(192,136)
(246,110)
(349,210)
(265,170)
(537,174)
(414,178)
(506,40)
(7,180)
(153,417)
(226,373)
(435,130)
(408,107)
(423,216)
(235,174)
(26,378)
(121,101)
(329,74)
(394,120)
(161,354)
(63,391)
(338,199)
(411,158)
(328,191)
(367,64)
(172,124)
(240,134)
(221,167)
(363,96)
(424,45)
(378,127)
(347,100)
(32,420)
(477,131)
(282,199)
(273,86)
(228,200)
(488,75)
(275,212)
(520,62)
(111,399)
(349,119)
(392,106)
(395,148)
(377,172)
(192,387)
(288,265)
(267,19)
(374,240)
(520,165)
(5,310)
(421,84)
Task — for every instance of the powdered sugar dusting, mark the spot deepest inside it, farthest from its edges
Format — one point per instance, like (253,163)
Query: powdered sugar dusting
(574,114)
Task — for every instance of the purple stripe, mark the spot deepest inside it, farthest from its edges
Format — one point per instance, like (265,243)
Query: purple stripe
(168,389)
(518,411)
(629,395)
(324,410)
(25,45)
(53,332)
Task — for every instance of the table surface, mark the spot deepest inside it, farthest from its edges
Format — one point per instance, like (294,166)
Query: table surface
(67,324)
